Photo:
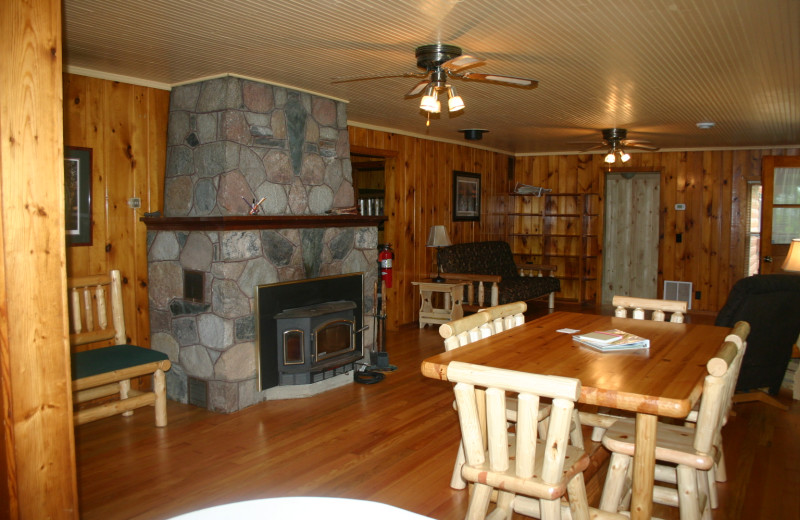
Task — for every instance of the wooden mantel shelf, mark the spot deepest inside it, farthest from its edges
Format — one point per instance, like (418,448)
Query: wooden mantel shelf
(259,222)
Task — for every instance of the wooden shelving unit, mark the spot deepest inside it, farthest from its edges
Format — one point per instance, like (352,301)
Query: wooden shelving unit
(560,229)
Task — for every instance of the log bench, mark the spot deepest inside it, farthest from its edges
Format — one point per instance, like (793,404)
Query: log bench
(106,371)
(496,278)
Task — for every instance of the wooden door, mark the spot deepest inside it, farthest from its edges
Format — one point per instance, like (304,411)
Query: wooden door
(780,210)
(630,236)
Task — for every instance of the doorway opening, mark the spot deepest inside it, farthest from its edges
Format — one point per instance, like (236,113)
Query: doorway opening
(369,186)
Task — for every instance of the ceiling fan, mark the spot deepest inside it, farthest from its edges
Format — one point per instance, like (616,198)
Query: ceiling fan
(616,140)
(442,61)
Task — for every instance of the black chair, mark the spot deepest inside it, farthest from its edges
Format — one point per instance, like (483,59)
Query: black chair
(771,305)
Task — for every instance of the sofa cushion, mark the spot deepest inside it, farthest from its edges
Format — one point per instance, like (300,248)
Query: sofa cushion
(520,288)
(479,258)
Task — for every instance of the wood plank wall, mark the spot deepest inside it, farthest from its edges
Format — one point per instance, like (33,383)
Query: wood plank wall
(712,184)
(126,128)
(419,187)
(37,457)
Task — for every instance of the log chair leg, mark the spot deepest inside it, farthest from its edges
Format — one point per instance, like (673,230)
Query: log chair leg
(457,481)
(124,388)
(160,389)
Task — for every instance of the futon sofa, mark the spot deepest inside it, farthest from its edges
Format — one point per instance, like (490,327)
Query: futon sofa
(491,265)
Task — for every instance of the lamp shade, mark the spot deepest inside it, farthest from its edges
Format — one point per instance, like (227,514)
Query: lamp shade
(437,237)
(792,262)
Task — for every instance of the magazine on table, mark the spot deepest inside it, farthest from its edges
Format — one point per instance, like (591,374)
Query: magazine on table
(612,340)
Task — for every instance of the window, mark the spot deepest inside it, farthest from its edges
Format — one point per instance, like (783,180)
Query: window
(754,228)
(786,205)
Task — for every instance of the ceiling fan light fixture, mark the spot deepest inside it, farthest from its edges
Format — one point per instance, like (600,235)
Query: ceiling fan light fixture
(429,103)
(610,159)
(455,103)
(624,157)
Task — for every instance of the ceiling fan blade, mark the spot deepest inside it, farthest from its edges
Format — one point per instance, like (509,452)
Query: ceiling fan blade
(641,146)
(362,78)
(599,146)
(509,80)
(461,62)
(635,141)
(418,88)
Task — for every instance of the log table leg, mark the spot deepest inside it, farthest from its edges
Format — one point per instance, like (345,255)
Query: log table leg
(644,460)
(426,307)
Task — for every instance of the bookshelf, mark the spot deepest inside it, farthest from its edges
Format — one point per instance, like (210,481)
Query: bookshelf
(560,229)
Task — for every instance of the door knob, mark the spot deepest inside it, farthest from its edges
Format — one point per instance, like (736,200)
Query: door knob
(768,259)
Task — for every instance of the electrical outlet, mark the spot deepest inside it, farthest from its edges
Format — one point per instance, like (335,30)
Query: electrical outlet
(680,207)
(135,202)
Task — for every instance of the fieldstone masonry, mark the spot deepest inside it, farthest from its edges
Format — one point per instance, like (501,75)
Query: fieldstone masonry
(230,139)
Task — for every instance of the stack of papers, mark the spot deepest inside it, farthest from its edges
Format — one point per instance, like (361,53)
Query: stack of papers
(612,340)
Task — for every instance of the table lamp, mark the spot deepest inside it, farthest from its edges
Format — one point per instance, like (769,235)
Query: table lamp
(438,238)
(792,262)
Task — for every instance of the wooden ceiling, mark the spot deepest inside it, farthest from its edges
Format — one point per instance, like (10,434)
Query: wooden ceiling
(654,67)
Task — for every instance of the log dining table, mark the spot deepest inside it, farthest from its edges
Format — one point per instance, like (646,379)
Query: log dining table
(664,380)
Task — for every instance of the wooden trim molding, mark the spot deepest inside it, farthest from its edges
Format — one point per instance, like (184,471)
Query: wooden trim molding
(259,222)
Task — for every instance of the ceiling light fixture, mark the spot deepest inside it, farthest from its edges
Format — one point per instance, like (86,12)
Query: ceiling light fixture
(455,103)
(430,102)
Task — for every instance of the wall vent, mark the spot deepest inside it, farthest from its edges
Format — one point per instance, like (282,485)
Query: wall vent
(681,291)
(198,392)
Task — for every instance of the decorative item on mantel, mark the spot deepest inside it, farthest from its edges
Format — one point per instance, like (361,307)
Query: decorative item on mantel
(526,189)
(350,210)
(255,207)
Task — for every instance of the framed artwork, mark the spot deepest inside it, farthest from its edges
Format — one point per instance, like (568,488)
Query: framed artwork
(78,196)
(466,196)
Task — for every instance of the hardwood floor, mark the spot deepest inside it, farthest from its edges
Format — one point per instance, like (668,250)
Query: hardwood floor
(392,442)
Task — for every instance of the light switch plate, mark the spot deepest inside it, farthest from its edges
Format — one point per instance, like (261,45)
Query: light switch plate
(680,207)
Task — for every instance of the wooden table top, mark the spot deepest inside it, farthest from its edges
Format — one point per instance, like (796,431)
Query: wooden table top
(666,379)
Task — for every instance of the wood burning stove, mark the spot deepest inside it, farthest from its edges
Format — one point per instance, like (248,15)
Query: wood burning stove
(315,338)
(309,330)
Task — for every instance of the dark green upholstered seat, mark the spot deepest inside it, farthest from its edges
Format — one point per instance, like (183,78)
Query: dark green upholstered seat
(107,359)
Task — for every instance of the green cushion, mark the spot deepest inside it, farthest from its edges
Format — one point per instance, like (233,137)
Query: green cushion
(108,359)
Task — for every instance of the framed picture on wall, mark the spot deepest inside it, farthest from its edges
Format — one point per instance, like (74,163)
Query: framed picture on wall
(78,196)
(466,195)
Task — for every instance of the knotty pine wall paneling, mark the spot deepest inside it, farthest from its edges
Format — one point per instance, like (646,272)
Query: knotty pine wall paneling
(712,184)
(125,126)
(37,443)
(422,190)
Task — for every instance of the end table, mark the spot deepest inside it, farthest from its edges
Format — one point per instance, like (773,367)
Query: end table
(451,310)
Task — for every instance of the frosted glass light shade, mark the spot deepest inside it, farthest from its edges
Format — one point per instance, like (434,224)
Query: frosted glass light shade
(429,103)
(455,104)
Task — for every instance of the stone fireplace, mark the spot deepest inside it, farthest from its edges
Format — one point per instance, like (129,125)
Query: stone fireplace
(232,141)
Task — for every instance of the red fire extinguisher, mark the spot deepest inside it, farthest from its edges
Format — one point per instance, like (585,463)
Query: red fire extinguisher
(385,258)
